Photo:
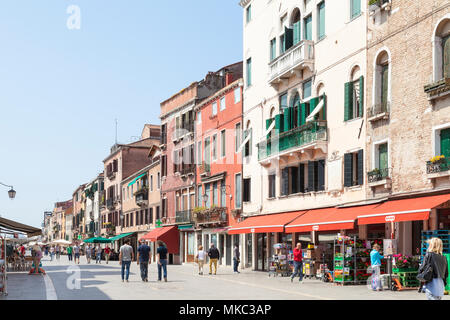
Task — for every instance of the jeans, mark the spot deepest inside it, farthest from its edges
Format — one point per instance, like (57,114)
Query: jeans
(98,258)
(144,270)
(212,262)
(126,264)
(376,273)
(298,270)
(51,256)
(430,295)
(235,265)
(69,255)
(163,266)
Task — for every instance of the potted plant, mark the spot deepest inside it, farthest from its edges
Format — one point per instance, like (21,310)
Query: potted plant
(374,5)
(404,263)
(438,159)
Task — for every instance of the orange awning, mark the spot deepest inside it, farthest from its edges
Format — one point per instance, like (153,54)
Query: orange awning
(169,235)
(265,223)
(402,210)
(327,219)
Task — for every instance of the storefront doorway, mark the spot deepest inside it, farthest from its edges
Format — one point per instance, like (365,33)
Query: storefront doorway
(261,252)
(228,250)
(222,246)
(190,246)
(249,249)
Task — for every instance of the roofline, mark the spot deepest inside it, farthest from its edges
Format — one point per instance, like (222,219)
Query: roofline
(208,100)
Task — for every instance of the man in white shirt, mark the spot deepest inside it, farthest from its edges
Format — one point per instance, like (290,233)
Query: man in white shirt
(126,255)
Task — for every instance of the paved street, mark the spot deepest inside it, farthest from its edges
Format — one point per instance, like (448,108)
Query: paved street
(102,282)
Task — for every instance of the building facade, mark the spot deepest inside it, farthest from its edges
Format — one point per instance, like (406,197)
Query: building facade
(78,213)
(92,196)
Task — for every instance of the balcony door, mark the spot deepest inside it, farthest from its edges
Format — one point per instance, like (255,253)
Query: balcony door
(383,156)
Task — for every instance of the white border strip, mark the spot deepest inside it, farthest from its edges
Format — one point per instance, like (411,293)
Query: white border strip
(50,288)
(256,227)
(319,223)
(394,213)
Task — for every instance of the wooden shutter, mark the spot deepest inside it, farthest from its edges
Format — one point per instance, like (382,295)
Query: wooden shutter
(384,84)
(348,101)
(288,38)
(284,181)
(361,96)
(446,57)
(321,175)
(296,32)
(303,114)
(324,108)
(383,156)
(301,177)
(313,104)
(361,167)
(445,143)
(348,169)
(294,180)
(311,176)
(287,119)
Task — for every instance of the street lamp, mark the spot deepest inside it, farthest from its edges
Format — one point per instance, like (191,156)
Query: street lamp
(11,192)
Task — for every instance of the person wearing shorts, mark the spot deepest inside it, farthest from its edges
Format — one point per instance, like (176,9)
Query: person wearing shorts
(76,252)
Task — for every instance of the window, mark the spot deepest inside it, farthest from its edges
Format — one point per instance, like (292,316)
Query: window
(283,101)
(150,218)
(237,95)
(214,108)
(222,104)
(316,175)
(446,56)
(353,101)
(159,181)
(199,117)
(307,89)
(273,49)
(237,142)
(382,85)
(288,38)
(223,190)
(199,196)
(151,183)
(157,212)
(272,186)
(282,44)
(296,27)
(292,180)
(382,157)
(237,196)
(355,8)
(247,194)
(207,155)
(248,13)
(214,147)
(354,169)
(215,194)
(308,28)
(249,72)
(321,20)
(222,144)
(444,143)
(208,193)
(248,144)
(199,153)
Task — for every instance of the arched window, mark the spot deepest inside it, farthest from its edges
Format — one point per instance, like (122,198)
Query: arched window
(382,88)
(442,50)
(296,26)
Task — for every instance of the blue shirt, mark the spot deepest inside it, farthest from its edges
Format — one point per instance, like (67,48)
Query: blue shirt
(162,251)
(144,253)
(375,258)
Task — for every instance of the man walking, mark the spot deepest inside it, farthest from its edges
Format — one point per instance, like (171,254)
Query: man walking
(236,258)
(52,252)
(161,254)
(107,253)
(213,254)
(143,259)
(298,263)
(76,252)
(88,253)
(98,254)
(69,252)
(126,255)
(58,252)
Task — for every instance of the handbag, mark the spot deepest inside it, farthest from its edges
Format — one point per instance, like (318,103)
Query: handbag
(426,271)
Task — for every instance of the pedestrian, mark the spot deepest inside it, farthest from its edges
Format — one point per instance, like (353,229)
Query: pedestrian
(437,265)
(69,252)
(126,255)
(98,254)
(52,252)
(107,253)
(143,259)
(46,251)
(213,254)
(88,253)
(58,252)
(201,256)
(76,252)
(375,261)
(161,253)
(22,251)
(298,263)
(236,258)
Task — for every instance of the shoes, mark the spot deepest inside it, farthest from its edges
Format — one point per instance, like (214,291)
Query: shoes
(214,273)
(210,273)
(292,279)
(122,280)
(127,280)
(165,279)
(146,280)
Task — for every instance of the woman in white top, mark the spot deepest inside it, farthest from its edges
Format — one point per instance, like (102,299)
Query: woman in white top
(201,256)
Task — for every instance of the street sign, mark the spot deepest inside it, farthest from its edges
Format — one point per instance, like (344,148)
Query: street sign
(79,237)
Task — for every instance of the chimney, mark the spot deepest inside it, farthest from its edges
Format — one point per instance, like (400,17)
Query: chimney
(228,78)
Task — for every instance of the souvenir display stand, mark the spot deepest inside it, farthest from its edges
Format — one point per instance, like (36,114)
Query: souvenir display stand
(3,279)
(344,260)
(280,264)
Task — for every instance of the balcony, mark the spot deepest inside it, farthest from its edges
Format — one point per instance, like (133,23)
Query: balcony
(438,89)
(187,169)
(141,197)
(111,175)
(204,169)
(312,135)
(438,169)
(292,61)
(110,204)
(379,177)
(210,216)
(186,129)
(379,111)
(183,216)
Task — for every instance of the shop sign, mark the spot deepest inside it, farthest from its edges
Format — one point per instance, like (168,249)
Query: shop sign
(390,218)
(389,246)
(346,271)
(252,230)
(315,228)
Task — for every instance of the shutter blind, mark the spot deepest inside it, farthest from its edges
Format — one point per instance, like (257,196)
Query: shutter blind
(383,156)
(445,143)
(288,38)
(287,119)
(303,113)
(348,101)
(297,32)
(301,177)
(324,108)
(284,181)
(361,167)
(446,57)
(310,176)
(361,96)
(348,169)
(321,175)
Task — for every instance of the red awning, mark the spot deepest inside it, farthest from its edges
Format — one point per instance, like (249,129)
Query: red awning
(402,210)
(327,219)
(169,235)
(265,223)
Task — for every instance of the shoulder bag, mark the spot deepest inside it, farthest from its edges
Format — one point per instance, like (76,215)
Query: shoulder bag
(426,271)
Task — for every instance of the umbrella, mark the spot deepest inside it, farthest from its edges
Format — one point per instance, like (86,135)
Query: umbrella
(97,240)
(62,242)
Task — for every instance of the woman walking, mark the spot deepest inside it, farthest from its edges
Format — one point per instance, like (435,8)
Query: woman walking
(201,255)
(438,266)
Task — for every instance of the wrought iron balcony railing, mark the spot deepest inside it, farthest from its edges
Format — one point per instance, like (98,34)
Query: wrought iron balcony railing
(438,166)
(297,137)
(183,216)
(215,215)
(110,203)
(204,168)
(378,174)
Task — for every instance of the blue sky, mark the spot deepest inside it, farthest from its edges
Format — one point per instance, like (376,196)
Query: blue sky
(61,89)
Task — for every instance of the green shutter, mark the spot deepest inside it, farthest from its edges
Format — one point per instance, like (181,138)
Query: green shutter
(249,72)
(297,32)
(446,57)
(313,104)
(383,156)
(348,170)
(288,38)
(384,85)
(348,101)
(308,28)
(324,108)
(287,119)
(445,143)
(361,96)
(279,122)
(356,8)
(268,123)
(303,113)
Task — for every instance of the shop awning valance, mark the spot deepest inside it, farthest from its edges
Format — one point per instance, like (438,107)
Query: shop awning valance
(98,240)
(402,210)
(16,226)
(265,223)
(120,236)
(136,179)
(327,219)
(169,235)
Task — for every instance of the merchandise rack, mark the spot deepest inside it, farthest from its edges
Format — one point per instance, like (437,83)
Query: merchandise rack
(343,260)
(3,279)
(444,235)
(280,263)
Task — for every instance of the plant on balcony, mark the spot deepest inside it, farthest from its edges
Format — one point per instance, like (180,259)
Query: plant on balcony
(236,212)
(142,190)
(438,159)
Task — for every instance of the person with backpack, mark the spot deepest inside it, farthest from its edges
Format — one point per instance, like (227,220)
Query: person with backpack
(433,272)
(213,254)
